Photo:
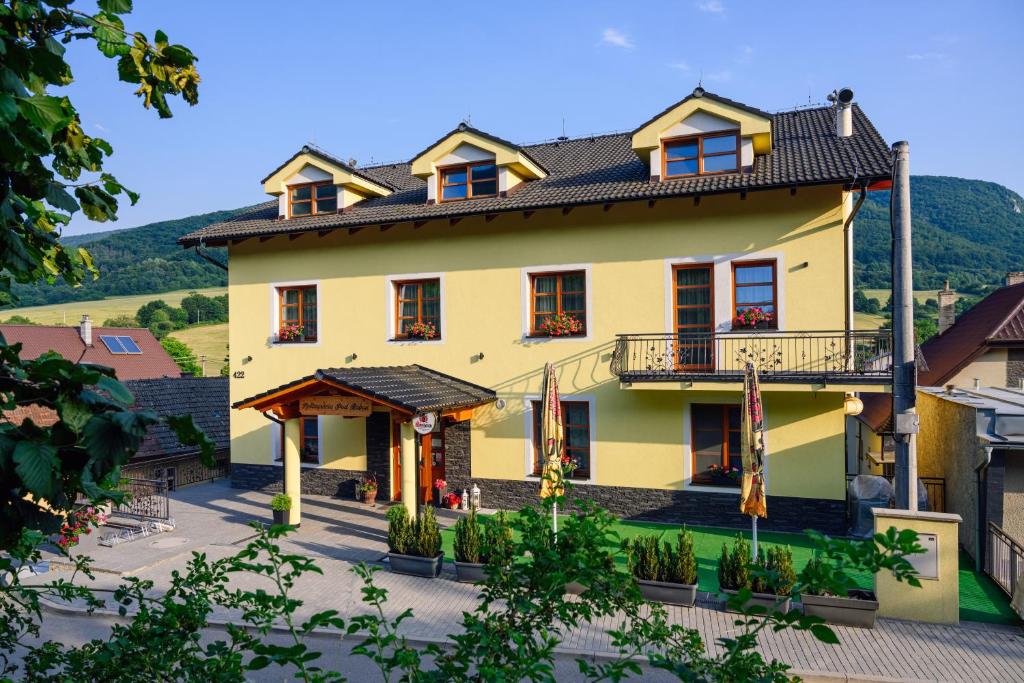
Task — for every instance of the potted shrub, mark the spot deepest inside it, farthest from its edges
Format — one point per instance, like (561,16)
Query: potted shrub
(663,572)
(469,551)
(281,504)
(368,489)
(452,501)
(414,545)
(828,592)
(440,489)
(734,575)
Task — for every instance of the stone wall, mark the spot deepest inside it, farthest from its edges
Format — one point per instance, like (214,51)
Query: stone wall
(378,452)
(457,456)
(1014,368)
(315,481)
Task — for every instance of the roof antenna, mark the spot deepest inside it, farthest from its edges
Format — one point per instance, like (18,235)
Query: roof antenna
(563,137)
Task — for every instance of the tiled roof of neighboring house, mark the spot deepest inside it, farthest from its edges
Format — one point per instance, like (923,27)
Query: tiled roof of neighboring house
(40,415)
(411,387)
(997,319)
(36,340)
(602,169)
(204,398)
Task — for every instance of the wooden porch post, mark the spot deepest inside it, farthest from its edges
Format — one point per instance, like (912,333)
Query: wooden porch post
(293,468)
(409,467)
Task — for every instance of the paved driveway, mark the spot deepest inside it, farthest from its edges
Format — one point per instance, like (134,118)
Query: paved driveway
(213,518)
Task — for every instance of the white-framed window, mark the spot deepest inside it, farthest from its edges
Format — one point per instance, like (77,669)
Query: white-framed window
(310,444)
(579,412)
(412,298)
(557,303)
(295,312)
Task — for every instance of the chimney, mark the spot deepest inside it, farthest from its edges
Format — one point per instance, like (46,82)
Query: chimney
(947,308)
(85,329)
(842,102)
(1014,278)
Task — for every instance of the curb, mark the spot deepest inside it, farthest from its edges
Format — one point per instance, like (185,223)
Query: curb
(593,655)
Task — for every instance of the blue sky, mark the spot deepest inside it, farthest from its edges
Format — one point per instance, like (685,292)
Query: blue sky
(380,81)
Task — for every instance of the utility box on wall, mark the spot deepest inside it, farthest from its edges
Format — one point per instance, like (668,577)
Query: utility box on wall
(938,598)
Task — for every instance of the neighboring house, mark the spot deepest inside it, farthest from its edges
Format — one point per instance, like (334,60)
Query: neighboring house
(984,347)
(974,439)
(133,352)
(363,296)
(162,457)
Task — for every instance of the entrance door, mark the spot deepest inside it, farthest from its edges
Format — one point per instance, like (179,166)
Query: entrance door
(693,308)
(396,461)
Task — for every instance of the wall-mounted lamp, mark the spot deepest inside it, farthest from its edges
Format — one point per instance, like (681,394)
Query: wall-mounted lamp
(852,405)
(247,359)
(351,357)
(480,356)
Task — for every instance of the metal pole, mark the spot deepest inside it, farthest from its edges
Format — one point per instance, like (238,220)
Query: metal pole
(416,458)
(905,420)
(753,519)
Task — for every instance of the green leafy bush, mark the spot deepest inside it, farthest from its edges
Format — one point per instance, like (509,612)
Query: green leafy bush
(468,539)
(680,563)
(642,555)
(733,571)
(832,569)
(650,559)
(281,502)
(400,536)
(498,540)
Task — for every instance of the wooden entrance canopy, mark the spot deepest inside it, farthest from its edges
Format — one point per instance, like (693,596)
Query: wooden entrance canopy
(405,389)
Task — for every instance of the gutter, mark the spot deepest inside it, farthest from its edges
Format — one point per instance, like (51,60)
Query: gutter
(981,473)
(207,257)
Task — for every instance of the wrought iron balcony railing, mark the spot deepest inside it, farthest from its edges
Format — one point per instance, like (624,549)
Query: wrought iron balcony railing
(855,356)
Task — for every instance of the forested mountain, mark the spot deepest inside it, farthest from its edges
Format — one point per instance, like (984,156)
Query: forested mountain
(969,231)
(142,260)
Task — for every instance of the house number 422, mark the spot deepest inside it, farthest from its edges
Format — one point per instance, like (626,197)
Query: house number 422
(238,374)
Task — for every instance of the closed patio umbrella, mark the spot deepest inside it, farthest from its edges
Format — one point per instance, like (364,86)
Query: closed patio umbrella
(753,499)
(552,437)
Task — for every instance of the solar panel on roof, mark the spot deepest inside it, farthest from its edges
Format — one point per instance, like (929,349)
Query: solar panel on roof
(129,345)
(113,344)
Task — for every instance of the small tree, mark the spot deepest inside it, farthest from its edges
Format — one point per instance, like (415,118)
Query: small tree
(19,320)
(427,534)
(123,320)
(468,539)
(400,537)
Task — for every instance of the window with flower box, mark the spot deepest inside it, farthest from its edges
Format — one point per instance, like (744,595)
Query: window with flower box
(297,314)
(754,294)
(558,304)
(309,199)
(715,442)
(576,447)
(418,309)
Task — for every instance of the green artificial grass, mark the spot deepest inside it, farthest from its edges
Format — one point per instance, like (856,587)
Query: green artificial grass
(980,598)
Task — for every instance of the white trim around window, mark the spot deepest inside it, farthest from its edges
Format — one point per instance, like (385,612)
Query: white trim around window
(527,292)
(390,296)
(275,311)
(528,432)
(275,445)
(722,272)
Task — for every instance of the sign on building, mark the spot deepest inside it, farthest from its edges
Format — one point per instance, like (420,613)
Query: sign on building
(345,406)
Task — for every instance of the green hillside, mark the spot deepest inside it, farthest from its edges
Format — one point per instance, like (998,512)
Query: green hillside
(142,260)
(969,231)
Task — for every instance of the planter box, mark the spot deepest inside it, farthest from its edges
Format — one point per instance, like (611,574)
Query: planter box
(857,610)
(668,593)
(470,572)
(427,567)
(771,602)
(280,516)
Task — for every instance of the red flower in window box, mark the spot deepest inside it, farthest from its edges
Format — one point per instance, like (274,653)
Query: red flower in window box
(562,325)
(422,331)
(754,316)
(290,333)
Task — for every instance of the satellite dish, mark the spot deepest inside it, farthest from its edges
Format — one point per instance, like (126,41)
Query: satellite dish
(845,96)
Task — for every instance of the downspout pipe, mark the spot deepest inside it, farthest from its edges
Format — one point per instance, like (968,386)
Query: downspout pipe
(981,472)
(847,256)
(206,257)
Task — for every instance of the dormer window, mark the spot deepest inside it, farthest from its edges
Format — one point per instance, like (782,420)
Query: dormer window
(702,155)
(469,181)
(310,199)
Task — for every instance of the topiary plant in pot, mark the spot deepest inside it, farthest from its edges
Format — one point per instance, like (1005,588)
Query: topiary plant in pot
(469,551)
(415,545)
(281,504)
(665,572)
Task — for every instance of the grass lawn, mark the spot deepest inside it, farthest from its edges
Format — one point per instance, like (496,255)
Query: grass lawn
(71,313)
(980,598)
(208,340)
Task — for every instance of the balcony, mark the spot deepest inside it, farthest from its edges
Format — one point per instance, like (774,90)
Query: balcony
(836,357)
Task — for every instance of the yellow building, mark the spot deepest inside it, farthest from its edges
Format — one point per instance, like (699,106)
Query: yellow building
(649,267)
